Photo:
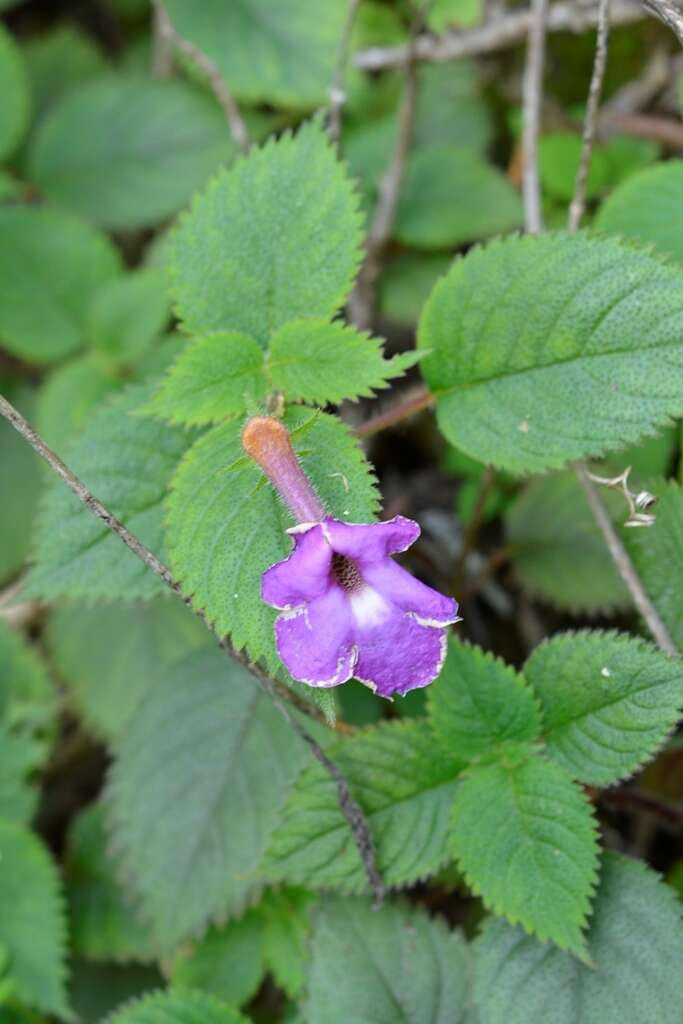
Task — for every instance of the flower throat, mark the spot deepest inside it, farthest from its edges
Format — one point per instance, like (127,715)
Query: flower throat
(345,572)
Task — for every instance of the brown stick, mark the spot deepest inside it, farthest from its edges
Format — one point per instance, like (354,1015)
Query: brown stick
(660,129)
(275,690)
(420,398)
(531,110)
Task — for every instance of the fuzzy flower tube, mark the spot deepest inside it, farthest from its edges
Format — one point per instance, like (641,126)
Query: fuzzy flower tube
(346,607)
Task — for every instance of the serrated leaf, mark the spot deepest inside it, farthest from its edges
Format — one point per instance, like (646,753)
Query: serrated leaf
(524,836)
(103,921)
(126,461)
(286,913)
(657,554)
(184,1007)
(558,551)
(635,945)
(20,464)
(50,265)
(28,703)
(57,61)
(527,385)
(452,195)
(608,700)
(274,238)
(396,965)
(321,362)
(227,962)
(405,787)
(98,990)
(125,151)
(20,756)
(479,704)
(190,838)
(126,315)
(226,525)
(282,53)
(15,95)
(213,378)
(32,924)
(648,208)
(129,647)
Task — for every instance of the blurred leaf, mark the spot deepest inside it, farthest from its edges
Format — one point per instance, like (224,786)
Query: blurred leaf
(275,238)
(126,315)
(443,14)
(450,107)
(184,1007)
(20,464)
(558,162)
(99,989)
(50,265)
(56,62)
(649,208)
(113,151)
(287,916)
(651,457)
(15,107)
(28,703)
(227,962)
(406,283)
(69,395)
(20,756)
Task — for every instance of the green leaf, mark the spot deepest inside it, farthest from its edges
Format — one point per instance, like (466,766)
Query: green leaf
(608,700)
(20,464)
(100,989)
(320,362)
(103,922)
(287,916)
(274,238)
(213,378)
(69,396)
(126,461)
(558,551)
(527,385)
(405,787)
(28,704)
(443,14)
(14,114)
(228,962)
(451,195)
(635,944)
(126,152)
(129,647)
(450,107)
(227,525)
(524,836)
(559,154)
(184,1007)
(406,282)
(657,554)
(479,704)
(32,924)
(56,62)
(50,265)
(649,208)
(190,838)
(126,315)
(20,757)
(283,53)
(395,964)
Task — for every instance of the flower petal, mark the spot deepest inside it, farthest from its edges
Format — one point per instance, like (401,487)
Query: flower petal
(316,642)
(402,655)
(303,576)
(428,607)
(366,543)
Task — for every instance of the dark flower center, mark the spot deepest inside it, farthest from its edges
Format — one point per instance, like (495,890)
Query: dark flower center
(345,572)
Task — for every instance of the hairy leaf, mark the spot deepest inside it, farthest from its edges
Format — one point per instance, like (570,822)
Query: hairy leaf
(103,922)
(190,838)
(649,208)
(524,836)
(32,923)
(226,524)
(558,551)
(527,385)
(658,556)
(406,788)
(227,962)
(125,151)
(213,378)
(184,1007)
(479,704)
(635,944)
(274,238)
(320,362)
(126,461)
(395,964)
(15,95)
(126,315)
(50,265)
(608,701)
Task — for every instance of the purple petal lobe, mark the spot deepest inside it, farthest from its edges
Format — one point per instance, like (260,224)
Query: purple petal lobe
(316,643)
(401,656)
(428,606)
(303,576)
(366,543)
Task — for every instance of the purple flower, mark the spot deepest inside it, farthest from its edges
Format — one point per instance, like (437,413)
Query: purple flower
(347,608)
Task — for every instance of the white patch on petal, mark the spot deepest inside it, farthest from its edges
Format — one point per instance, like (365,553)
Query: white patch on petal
(370,685)
(368,607)
(340,676)
(301,528)
(436,623)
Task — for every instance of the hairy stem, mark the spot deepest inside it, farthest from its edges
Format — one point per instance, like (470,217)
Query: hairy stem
(417,400)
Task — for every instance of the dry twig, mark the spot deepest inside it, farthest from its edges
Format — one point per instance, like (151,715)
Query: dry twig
(337,90)
(669,13)
(531,109)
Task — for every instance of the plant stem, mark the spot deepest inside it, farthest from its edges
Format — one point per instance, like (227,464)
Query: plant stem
(337,91)
(419,399)
(531,113)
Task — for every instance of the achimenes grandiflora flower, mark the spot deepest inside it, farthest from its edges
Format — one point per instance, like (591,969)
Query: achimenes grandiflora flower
(347,609)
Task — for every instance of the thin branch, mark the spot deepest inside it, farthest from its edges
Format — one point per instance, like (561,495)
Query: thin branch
(669,13)
(348,805)
(578,202)
(228,103)
(624,564)
(495,34)
(337,91)
(531,114)
(639,801)
(162,44)
(665,130)
(418,399)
